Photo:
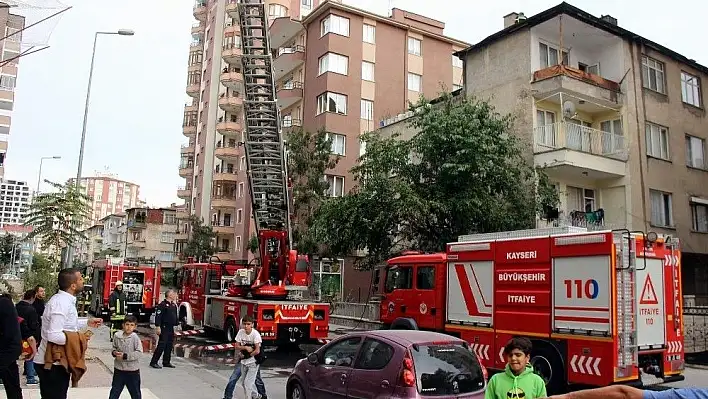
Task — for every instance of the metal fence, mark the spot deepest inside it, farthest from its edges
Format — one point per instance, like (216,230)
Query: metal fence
(695,326)
(366,311)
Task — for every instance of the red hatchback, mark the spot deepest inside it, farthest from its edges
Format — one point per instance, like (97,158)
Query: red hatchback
(389,364)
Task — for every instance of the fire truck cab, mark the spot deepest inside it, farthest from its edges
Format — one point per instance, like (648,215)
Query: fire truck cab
(141,285)
(600,307)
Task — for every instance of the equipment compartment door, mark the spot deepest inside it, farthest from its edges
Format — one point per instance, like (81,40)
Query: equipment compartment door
(470,291)
(649,290)
(581,293)
(133,286)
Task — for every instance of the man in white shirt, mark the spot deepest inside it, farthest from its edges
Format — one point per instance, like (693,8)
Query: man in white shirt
(248,342)
(60,315)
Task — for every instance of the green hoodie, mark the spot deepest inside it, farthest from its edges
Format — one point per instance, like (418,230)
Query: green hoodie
(506,385)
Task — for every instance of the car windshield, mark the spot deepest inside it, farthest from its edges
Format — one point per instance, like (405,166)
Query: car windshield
(446,369)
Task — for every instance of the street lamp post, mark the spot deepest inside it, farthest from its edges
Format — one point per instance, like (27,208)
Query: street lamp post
(121,32)
(39,175)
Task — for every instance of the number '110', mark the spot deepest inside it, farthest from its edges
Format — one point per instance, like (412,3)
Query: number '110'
(582,289)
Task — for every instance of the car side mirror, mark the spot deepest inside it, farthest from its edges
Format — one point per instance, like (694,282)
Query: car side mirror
(312,358)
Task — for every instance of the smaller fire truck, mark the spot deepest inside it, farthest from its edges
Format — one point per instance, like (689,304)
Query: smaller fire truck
(600,307)
(214,296)
(141,285)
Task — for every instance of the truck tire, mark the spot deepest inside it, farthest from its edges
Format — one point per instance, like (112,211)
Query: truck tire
(404,323)
(230,330)
(548,363)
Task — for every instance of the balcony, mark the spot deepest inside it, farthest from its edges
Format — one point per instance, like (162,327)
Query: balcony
(290,124)
(191,108)
(181,236)
(200,10)
(226,151)
(186,170)
(226,175)
(230,102)
(232,79)
(231,29)
(231,53)
(184,192)
(189,130)
(194,67)
(283,30)
(182,213)
(186,149)
(224,201)
(289,94)
(193,89)
(232,8)
(228,128)
(136,243)
(571,151)
(592,220)
(565,79)
(288,58)
(223,228)
(198,28)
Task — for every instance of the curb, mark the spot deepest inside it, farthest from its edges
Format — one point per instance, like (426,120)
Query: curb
(697,366)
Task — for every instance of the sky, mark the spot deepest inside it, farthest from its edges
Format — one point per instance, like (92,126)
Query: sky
(138,92)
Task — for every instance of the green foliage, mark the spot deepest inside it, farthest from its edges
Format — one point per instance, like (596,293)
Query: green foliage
(7,246)
(56,217)
(201,241)
(41,262)
(461,172)
(108,252)
(44,277)
(253,244)
(309,157)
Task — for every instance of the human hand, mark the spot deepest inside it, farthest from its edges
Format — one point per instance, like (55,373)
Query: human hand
(157,330)
(118,354)
(249,349)
(94,323)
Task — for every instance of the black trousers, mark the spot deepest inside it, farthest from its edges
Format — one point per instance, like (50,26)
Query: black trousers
(10,376)
(53,383)
(164,345)
(125,379)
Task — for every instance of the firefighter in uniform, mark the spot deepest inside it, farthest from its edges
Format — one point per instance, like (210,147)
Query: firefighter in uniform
(165,321)
(116,308)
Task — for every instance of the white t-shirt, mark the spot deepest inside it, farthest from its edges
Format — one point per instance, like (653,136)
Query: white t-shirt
(248,339)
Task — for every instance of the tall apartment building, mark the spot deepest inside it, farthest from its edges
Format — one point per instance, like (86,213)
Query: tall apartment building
(108,195)
(617,121)
(11,26)
(15,199)
(336,67)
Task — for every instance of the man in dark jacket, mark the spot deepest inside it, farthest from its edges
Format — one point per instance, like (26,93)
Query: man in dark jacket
(165,321)
(116,308)
(26,310)
(10,348)
(39,298)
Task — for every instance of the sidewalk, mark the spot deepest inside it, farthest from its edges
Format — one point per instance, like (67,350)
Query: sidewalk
(88,393)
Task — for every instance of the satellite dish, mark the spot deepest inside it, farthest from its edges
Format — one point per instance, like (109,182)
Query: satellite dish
(568,109)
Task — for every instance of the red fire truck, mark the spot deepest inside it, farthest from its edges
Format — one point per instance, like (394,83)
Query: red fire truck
(211,298)
(601,307)
(141,285)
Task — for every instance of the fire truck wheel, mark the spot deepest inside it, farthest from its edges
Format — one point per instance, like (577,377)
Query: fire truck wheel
(404,323)
(230,330)
(548,363)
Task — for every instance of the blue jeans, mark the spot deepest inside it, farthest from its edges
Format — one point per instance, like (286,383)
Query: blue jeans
(235,376)
(29,369)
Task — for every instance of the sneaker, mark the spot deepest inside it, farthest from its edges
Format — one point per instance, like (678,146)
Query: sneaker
(32,381)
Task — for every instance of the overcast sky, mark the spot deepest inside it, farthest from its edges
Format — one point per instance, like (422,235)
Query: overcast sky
(138,93)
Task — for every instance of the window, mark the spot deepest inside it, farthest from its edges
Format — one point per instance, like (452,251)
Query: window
(339,143)
(332,62)
(414,46)
(335,24)
(367,71)
(694,152)
(240,190)
(653,74)
(307,3)
(374,355)
(237,243)
(425,278)
(549,55)
(167,237)
(277,11)
(399,278)
(170,218)
(415,82)
(456,61)
(341,353)
(661,209)
(7,82)
(699,216)
(657,138)
(362,147)
(242,163)
(239,216)
(369,34)
(581,199)
(456,87)
(16,34)
(367,110)
(612,136)
(332,102)
(336,185)
(690,89)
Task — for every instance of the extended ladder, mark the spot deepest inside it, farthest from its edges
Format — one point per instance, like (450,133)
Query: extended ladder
(265,150)
(625,266)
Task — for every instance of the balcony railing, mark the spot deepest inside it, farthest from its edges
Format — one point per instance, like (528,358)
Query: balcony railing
(230,46)
(291,84)
(234,144)
(228,197)
(182,188)
(184,165)
(292,123)
(215,223)
(291,50)
(566,135)
(227,171)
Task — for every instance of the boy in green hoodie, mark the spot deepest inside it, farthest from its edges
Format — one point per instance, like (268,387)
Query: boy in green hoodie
(518,380)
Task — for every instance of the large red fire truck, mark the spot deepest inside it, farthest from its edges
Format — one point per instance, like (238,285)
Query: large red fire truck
(601,307)
(141,285)
(219,295)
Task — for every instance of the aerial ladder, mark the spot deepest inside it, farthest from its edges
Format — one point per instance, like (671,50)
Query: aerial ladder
(281,270)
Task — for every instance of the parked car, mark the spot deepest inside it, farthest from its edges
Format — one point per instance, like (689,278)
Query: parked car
(389,364)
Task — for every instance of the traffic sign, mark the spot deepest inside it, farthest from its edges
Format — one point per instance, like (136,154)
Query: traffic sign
(648,293)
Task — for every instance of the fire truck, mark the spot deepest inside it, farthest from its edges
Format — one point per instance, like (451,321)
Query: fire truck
(601,307)
(218,295)
(141,285)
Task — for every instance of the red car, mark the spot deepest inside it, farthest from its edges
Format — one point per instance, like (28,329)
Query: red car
(389,364)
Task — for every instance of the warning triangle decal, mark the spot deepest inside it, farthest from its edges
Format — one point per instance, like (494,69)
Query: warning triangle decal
(648,294)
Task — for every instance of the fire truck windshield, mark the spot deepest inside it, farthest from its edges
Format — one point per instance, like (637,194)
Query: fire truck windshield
(398,277)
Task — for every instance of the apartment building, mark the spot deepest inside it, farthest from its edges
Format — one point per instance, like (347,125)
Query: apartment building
(616,120)
(11,25)
(150,234)
(90,248)
(15,199)
(336,67)
(108,195)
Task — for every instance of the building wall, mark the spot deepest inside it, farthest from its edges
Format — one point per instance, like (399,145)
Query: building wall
(15,198)
(10,24)
(151,234)
(108,196)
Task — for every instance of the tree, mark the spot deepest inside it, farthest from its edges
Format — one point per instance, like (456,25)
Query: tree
(462,172)
(108,252)
(40,262)
(201,241)
(309,157)
(9,250)
(57,217)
